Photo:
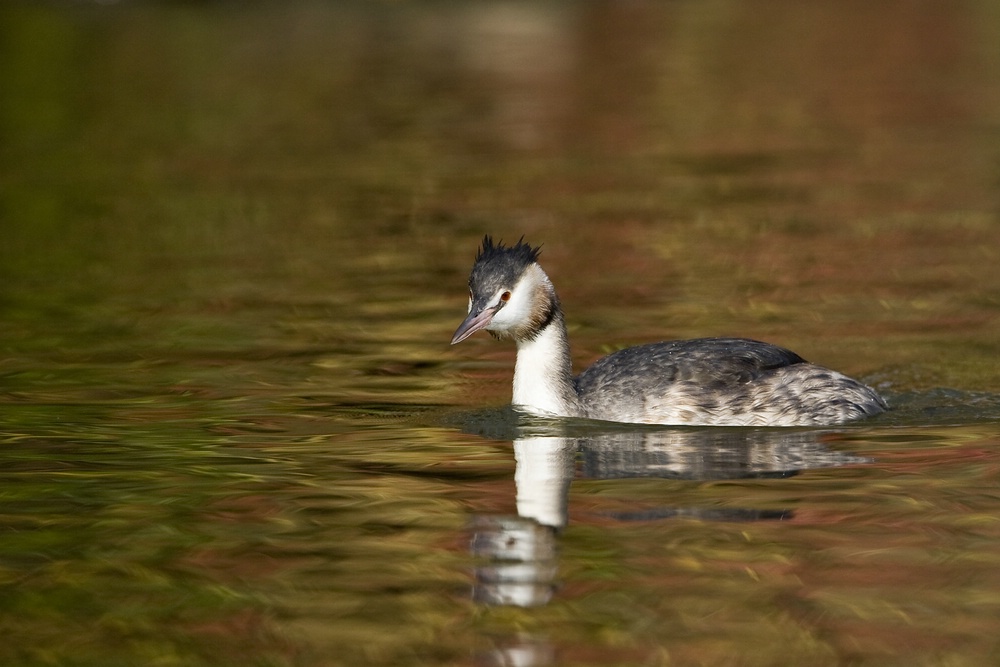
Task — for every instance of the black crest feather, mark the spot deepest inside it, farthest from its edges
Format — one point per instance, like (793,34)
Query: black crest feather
(520,252)
(498,265)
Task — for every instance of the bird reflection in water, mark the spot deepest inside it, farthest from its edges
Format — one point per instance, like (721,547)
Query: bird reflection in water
(518,555)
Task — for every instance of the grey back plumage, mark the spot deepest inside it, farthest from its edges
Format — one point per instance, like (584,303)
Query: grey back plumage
(733,381)
(714,363)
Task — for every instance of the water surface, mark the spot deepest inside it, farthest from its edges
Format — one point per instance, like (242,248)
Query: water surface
(235,246)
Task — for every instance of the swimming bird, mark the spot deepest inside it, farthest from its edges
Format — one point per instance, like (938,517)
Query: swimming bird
(703,381)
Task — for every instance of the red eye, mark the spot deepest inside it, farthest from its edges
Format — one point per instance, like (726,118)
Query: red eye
(505,296)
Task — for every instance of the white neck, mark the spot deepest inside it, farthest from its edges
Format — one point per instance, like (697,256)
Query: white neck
(543,377)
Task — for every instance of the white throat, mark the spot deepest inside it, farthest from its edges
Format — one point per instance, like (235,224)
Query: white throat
(542,375)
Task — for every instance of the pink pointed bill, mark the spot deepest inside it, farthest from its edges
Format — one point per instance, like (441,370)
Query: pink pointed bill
(473,323)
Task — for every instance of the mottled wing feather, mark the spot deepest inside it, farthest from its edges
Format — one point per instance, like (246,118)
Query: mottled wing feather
(713,363)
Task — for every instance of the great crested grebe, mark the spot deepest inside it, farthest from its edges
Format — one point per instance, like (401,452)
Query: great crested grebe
(703,381)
